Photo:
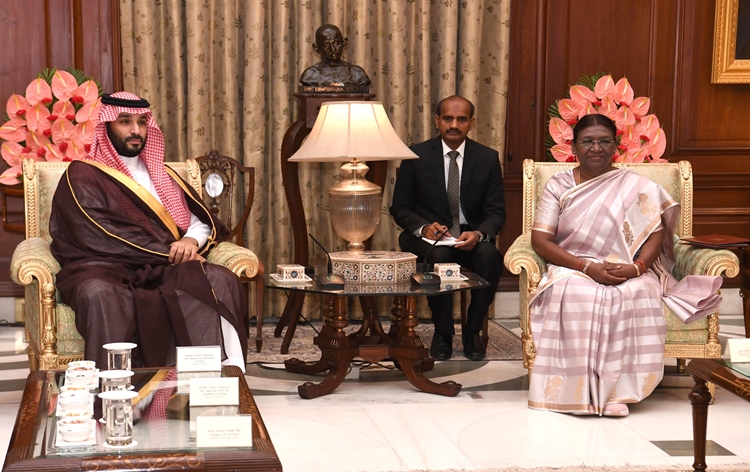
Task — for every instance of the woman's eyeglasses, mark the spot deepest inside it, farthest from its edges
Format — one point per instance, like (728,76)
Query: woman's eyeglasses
(604,143)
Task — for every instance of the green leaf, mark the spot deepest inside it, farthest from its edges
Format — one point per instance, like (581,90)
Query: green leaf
(553,111)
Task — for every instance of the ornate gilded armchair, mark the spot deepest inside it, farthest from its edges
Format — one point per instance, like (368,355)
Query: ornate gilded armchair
(684,341)
(50,324)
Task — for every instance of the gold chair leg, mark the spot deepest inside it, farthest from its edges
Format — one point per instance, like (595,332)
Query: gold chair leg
(681,365)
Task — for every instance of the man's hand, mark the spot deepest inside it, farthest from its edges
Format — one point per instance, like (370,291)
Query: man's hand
(467,241)
(186,249)
(434,231)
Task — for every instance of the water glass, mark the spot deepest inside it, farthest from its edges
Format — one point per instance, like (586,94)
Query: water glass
(118,355)
(113,380)
(118,409)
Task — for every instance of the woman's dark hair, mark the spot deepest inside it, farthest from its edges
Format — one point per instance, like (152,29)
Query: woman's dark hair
(592,120)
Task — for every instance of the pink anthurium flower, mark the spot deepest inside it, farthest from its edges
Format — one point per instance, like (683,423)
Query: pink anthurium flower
(63,130)
(11,176)
(647,125)
(658,143)
(582,95)
(39,91)
(11,153)
(640,106)
(87,91)
(53,153)
(560,131)
(587,109)
(13,130)
(608,108)
(35,140)
(605,87)
(89,111)
(568,109)
(63,108)
(63,85)
(85,132)
(630,139)
(561,152)
(76,150)
(636,156)
(17,106)
(36,118)
(624,117)
(623,92)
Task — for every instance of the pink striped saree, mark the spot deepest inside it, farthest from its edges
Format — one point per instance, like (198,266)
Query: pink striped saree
(599,344)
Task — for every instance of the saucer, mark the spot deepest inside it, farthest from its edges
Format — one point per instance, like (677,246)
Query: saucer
(91,441)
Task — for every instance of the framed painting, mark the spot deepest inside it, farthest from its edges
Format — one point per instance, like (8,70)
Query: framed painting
(731,61)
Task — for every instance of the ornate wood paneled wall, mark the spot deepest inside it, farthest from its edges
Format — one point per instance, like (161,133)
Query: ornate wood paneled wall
(38,34)
(665,50)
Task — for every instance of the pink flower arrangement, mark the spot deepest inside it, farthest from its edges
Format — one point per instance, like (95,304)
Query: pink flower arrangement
(54,121)
(640,138)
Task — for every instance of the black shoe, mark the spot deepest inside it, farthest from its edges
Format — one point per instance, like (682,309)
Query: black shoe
(441,348)
(474,348)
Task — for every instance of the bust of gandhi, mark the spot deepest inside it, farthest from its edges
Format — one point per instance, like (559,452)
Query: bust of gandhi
(332,71)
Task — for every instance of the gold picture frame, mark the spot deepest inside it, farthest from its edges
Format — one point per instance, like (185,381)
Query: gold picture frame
(727,67)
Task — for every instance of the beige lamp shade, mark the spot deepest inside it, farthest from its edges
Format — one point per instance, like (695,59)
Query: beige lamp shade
(352,130)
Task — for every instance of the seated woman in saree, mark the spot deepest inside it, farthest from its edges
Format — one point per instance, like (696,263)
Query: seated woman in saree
(596,316)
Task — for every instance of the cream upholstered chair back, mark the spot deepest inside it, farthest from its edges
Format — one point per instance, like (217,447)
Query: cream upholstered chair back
(695,340)
(41,179)
(676,179)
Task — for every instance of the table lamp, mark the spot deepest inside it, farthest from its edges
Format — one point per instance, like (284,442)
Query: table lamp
(353,132)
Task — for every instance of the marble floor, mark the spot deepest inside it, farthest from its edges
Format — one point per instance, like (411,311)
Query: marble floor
(376,421)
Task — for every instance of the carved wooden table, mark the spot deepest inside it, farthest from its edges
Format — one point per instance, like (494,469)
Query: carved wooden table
(161,446)
(731,378)
(371,343)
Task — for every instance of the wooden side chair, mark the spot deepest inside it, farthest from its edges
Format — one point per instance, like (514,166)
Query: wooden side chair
(223,178)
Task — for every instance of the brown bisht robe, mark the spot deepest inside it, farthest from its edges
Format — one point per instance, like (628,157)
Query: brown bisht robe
(114,247)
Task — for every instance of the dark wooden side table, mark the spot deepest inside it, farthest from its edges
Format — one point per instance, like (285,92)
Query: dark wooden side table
(731,378)
(371,343)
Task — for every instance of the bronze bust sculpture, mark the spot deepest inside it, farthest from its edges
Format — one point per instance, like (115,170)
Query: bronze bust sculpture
(333,74)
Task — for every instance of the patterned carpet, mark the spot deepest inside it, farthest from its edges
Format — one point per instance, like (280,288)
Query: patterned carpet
(503,345)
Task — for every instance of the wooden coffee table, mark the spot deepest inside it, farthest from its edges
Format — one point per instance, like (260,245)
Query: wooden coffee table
(730,378)
(32,447)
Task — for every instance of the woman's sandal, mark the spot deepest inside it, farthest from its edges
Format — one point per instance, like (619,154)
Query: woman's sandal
(616,409)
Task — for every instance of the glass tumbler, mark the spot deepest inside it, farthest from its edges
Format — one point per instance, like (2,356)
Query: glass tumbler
(118,355)
(113,380)
(118,409)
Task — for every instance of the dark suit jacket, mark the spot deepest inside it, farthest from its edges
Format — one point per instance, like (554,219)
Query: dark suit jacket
(420,198)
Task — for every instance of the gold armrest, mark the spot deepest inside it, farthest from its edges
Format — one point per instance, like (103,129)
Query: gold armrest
(32,259)
(240,260)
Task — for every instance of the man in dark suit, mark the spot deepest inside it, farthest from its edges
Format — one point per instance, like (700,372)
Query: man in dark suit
(456,188)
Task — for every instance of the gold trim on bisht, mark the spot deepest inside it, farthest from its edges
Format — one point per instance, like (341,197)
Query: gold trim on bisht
(143,194)
(211,242)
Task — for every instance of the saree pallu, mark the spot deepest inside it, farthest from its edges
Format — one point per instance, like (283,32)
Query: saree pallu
(599,344)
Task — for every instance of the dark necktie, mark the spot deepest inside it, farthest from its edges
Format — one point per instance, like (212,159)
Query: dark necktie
(454,182)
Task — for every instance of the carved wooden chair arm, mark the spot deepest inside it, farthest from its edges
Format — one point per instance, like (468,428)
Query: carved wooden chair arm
(521,255)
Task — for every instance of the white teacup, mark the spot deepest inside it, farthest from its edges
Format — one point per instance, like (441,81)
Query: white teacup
(290,271)
(80,377)
(74,400)
(77,414)
(82,365)
(75,429)
(448,270)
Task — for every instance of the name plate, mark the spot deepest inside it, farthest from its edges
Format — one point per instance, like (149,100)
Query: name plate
(198,358)
(225,431)
(214,391)
(739,350)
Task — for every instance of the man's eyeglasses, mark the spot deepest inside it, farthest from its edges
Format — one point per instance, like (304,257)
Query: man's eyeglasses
(604,143)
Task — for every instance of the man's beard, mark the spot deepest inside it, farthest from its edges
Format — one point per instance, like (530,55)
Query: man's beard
(122,147)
